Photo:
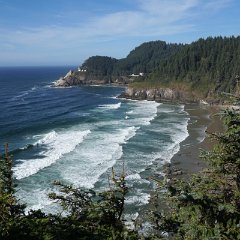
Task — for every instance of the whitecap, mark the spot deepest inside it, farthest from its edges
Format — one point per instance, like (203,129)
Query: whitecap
(110,106)
(129,112)
(138,199)
(57,144)
(144,112)
(97,154)
(134,176)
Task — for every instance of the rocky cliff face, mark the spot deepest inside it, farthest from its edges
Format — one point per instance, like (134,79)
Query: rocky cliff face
(74,78)
(158,94)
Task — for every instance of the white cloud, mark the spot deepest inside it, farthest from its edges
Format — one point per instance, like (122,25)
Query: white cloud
(173,9)
(216,5)
(150,18)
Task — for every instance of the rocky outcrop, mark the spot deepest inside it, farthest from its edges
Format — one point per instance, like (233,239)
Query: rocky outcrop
(158,94)
(74,78)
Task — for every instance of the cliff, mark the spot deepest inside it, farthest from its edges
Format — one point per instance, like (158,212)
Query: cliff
(159,94)
(201,71)
(74,78)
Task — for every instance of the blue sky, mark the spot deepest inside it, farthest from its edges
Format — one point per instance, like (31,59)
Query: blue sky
(66,32)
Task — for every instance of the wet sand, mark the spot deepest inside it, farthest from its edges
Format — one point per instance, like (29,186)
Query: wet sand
(202,119)
(187,160)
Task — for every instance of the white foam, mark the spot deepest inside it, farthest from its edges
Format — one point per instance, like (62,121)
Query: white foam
(57,144)
(97,154)
(178,133)
(144,112)
(174,128)
(114,97)
(129,133)
(36,198)
(133,216)
(130,220)
(104,147)
(34,88)
(135,176)
(129,112)
(138,199)
(24,147)
(110,106)
(181,132)
(24,93)
(202,134)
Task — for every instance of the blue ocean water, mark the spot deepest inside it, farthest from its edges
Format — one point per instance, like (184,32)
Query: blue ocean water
(77,134)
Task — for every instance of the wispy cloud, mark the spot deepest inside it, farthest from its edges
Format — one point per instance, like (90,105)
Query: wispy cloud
(169,10)
(152,18)
(216,5)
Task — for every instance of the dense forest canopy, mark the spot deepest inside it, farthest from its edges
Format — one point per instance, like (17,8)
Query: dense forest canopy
(144,58)
(207,65)
(211,64)
(99,65)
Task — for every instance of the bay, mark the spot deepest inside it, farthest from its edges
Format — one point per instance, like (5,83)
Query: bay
(77,134)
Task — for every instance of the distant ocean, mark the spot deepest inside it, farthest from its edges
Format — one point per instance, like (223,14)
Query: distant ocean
(77,134)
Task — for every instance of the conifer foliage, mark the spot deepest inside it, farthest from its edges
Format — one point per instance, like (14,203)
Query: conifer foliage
(210,64)
(208,206)
(206,66)
(85,214)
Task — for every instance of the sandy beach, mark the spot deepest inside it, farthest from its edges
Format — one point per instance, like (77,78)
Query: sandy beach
(203,120)
(186,161)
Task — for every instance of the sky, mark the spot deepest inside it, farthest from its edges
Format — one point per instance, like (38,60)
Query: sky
(67,32)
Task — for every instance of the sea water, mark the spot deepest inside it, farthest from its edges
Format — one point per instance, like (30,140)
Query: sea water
(76,135)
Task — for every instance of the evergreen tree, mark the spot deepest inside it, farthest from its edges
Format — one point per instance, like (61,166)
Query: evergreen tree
(86,214)
(207,65)
(208,206)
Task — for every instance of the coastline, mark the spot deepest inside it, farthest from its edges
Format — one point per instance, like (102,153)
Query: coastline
(203,120)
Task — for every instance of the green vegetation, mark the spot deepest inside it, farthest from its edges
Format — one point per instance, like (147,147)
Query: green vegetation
(207,206)
(99,66)
(206,66)
(144,58)
(85,215)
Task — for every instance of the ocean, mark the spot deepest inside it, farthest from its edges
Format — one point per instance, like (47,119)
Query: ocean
(77,134)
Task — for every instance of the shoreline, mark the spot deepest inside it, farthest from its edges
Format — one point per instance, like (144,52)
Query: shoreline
(187,160)
(202,121)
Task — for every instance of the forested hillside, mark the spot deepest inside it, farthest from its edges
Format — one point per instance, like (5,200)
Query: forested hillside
(144,58)
(203,68)
(206,65)
(100,66)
